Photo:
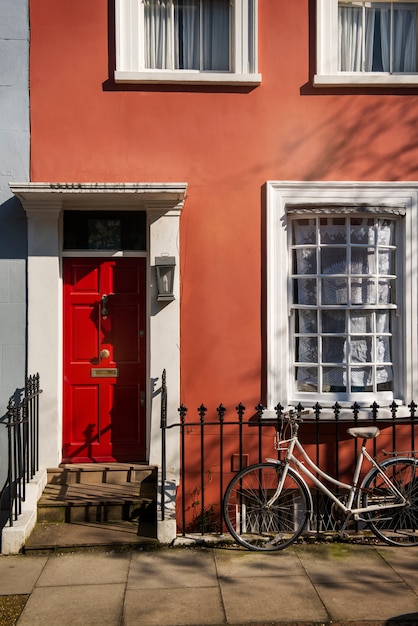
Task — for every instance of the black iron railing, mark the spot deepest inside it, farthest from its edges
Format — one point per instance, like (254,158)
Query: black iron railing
(22,423)
(221,442)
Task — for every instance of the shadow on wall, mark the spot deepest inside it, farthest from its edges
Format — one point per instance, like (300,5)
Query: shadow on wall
(13,303)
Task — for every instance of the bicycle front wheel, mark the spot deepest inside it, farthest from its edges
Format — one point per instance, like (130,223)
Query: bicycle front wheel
(254,518)
(397,526)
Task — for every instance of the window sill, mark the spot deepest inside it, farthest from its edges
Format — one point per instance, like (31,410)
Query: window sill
(372,79)
(186,78)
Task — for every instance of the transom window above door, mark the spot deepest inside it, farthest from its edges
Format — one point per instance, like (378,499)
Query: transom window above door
(371,43)
(105,230)
(186,41)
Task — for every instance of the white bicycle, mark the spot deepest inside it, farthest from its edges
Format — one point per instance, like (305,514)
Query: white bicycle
(268,505)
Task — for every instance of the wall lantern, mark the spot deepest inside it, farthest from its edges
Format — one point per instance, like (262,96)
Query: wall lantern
(164,267)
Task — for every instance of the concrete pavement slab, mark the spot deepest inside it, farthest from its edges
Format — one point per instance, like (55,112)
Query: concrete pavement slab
(85,569)
(237,563)
(359,601)
(271,599)
(338,563)
(404,562)
(173,607)
(19,575)
(92,605)
(172,568)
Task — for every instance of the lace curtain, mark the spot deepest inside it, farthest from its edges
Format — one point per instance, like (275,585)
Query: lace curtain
(187,34)
(339,271)
(373,27)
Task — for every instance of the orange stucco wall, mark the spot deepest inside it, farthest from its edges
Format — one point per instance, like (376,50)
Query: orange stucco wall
(225,143)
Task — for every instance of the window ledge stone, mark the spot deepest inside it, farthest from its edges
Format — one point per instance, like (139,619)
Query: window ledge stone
(372,79)
(186,78)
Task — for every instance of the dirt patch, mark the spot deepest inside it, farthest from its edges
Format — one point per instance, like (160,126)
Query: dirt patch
(11,608)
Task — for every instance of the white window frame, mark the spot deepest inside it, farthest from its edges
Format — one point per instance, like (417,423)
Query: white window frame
(399,198)
(130,63)
(327,73)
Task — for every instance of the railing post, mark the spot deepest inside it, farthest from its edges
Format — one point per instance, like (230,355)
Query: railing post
(221,412)
(183,412)
(163,424)
(202,412)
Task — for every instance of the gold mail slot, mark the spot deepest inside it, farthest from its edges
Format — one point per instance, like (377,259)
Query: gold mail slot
(104,372)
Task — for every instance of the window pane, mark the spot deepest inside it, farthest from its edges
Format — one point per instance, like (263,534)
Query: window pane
(307,379)
(333,379)
(308,349)
(186,36)
(157,16)
(363,291)
(333,321)
(215,33)
(334,291)
(362,231)
(333,260)
(361,350)
(362,322)
(305,291)
(304,231)
(333,349)
(306,322)
(305,261)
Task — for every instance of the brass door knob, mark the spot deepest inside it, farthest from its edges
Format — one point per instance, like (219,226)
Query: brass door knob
(104,354)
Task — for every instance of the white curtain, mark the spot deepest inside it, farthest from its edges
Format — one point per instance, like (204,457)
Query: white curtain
(371,27)
(187,34)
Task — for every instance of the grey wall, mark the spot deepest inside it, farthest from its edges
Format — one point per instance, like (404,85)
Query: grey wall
(14,167)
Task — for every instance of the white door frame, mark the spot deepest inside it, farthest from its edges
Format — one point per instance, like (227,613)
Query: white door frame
(44,204)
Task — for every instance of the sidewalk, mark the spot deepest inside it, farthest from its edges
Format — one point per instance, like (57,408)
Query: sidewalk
(336,583)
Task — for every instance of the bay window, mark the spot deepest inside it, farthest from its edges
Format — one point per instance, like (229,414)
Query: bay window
(186,41)
(341,261)
(370,43)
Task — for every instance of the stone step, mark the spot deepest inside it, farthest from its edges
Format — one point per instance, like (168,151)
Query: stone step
(100,495)
(101,473)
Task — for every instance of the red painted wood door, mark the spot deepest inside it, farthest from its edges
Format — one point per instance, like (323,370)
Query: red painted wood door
(104,360)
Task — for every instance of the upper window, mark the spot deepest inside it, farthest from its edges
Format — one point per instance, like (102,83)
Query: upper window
(369,43)
(340,262)
(186,41)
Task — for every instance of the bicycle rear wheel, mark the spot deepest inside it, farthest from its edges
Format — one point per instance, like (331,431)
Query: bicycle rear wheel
(395,526)
(255,522)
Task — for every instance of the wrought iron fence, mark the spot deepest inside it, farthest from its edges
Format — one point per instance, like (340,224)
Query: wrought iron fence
(22,423)
(215,446)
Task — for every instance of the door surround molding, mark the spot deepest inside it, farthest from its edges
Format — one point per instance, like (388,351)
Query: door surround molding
(44,204)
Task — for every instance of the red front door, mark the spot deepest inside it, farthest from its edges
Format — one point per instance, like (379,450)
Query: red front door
(104,360)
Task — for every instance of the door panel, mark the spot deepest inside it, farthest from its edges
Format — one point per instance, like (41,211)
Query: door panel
(104,360)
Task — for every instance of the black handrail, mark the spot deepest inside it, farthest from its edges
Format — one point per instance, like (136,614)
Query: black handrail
(22,423)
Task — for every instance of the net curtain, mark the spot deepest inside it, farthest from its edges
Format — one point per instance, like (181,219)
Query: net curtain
(187,34)
(375,25)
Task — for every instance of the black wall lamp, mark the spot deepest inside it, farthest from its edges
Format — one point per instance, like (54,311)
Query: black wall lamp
(164,267)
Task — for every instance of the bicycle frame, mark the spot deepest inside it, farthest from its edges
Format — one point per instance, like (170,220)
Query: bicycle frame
(354,490)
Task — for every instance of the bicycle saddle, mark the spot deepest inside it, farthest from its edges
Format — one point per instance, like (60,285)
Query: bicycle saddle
(368,432)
